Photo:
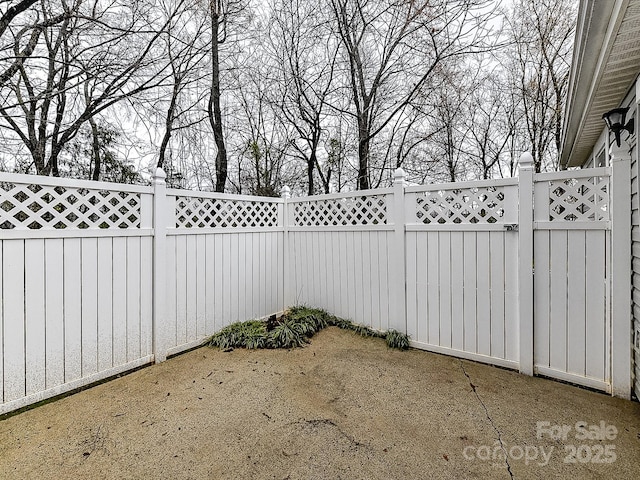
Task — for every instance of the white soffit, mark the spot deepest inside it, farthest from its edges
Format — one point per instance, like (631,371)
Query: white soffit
(606,61)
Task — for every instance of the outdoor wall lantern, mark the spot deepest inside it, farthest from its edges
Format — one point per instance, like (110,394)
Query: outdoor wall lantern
(615,120)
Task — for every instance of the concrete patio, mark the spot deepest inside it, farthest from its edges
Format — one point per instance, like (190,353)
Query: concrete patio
(343,407)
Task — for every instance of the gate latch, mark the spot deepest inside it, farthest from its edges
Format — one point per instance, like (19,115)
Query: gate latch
(511,227)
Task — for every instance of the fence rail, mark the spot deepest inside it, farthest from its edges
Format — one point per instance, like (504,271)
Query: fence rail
(118,276)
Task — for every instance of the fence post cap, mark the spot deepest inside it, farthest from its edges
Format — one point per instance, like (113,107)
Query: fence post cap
(525,161)
(285,192)
(159,176)
(399,175)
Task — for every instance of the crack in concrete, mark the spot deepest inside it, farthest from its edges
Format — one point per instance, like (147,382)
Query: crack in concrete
(328,422)
(486,411)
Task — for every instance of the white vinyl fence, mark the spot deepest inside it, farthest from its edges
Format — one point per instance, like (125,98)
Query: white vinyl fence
(76,284)
(83,299)
(97,278)
(472,270)
(635,265)
(341,253)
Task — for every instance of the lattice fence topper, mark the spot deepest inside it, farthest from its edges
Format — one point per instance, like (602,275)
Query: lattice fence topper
(579,199)
(364,210)
(461,205)
(196,212)
(35,207)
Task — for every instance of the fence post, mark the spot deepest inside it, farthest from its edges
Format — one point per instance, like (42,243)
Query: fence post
(159,263)
(621,320)
(286,287)
(397,268)
(525,263)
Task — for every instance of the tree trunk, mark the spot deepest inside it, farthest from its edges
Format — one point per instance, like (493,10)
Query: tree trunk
(363,156)
(97,161)
(215,114)
(168,124)
(311,164)
(53,160)
(39,161)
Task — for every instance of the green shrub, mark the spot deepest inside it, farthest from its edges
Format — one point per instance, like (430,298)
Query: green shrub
(290,334)
(294,329)
(396,339)
(251,334)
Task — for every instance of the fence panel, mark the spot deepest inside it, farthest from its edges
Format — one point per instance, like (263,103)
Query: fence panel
(340,248)
(571,251)
(74,284)
(224,263)
(461,283)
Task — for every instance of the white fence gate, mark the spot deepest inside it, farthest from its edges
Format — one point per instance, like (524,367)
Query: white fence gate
(462,269)
(572,243)
(98,278)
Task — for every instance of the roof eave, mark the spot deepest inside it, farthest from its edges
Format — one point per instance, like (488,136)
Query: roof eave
(598,25)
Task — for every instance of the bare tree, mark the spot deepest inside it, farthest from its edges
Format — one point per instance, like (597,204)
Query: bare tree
(262,139)
(85,64)
(12,11)
(318,95)
(305,53)
(186,53)
(542,34)
(221,15)
(14,53)
(490,132)
(393,49)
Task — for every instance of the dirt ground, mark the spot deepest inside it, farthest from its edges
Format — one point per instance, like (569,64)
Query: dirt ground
(344,407)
